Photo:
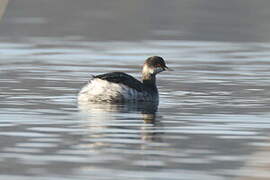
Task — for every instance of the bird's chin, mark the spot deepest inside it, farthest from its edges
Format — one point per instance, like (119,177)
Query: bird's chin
(158,70)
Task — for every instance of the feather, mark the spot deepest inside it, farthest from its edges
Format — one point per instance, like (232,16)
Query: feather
(122,78)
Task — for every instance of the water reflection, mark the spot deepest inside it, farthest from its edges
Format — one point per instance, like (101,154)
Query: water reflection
(143,107)
(103,117)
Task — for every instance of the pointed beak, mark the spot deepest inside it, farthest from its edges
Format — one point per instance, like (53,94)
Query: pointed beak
(167,69)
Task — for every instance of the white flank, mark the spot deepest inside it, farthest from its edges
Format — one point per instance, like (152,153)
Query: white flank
(101,90)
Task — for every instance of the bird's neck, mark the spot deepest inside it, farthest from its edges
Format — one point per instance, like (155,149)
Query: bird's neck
(149,81)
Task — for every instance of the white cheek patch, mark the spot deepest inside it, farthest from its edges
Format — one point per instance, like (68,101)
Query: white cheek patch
(149,70)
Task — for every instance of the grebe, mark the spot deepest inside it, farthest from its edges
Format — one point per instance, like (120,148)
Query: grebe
(119,87)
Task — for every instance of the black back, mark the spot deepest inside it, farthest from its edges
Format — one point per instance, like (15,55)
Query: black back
(122,78)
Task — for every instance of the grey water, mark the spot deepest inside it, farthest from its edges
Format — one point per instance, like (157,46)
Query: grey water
(213,118)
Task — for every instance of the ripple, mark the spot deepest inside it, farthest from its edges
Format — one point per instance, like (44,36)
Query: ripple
(212,118)
(26,134)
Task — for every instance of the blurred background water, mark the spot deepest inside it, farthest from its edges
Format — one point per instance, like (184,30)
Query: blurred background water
(213,118)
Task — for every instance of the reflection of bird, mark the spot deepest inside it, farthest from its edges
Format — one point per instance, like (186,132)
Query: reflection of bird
(117,87)
(102,117)
(102,110)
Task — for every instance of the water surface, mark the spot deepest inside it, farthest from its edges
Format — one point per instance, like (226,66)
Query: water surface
(211,122)
(213,118)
